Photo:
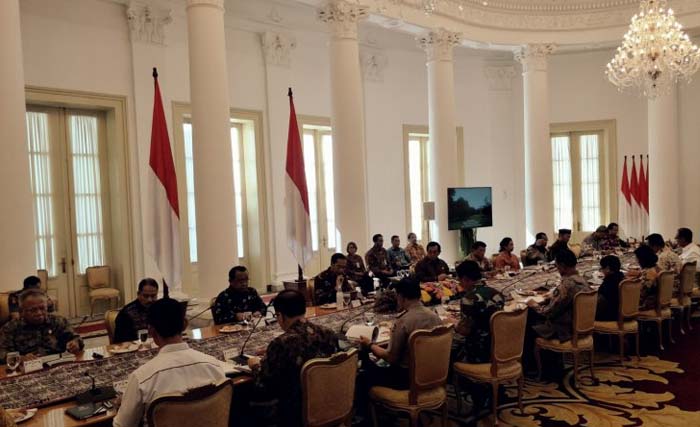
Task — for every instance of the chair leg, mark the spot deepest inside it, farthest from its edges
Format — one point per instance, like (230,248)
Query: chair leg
(494,402)
(444,414)
(538,359)
(661,336)
(590,362)
(622,348)
(670,330)
(575,368)
(636,344)
(521,381)
(686,311)
(92,307)
(458,393)
(413,417)
(373,413)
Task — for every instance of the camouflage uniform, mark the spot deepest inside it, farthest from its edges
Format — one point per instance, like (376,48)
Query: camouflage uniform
(229,302)
(281,367)
(324,286)
(48,338)
(559,312)
(477,307)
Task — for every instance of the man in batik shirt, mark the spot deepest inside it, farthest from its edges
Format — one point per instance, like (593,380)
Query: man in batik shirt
(37,333)
(133,317)
(327,282)
(668,260)
(478,255)
(378,260)
(238,299)
(398,259)
(432,268)
(278,373)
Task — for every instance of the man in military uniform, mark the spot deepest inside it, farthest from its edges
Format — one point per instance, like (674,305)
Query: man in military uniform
(232,304)
(478,304)
(328,281)
(37,333)
(134,316)
(278,374)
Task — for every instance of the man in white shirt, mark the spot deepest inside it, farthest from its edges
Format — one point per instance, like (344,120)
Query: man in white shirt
(175,369)
(690,251)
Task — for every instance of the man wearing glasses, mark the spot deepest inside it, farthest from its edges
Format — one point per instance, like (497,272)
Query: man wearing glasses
(37,333)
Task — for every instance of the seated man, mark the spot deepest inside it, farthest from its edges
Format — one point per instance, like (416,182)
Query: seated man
(398,259)
(596,241)
(668,260)
(609,291)
(478,255)
(133,316)
(37,333)
(538,251)
(415,316)
(327,283)
(30,282)
(378,260)
(557,314)
(431,268)
(614,240)
(278,373)
(561,244)
(689,251)
(175,369)
(478,304)
(238,299)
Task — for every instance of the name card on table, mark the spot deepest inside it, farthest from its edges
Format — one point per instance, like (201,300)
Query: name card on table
(230,354)
(355,303)
(33,365)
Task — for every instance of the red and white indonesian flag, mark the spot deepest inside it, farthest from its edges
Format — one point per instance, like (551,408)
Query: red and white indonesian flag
(644,195)
(164,211)
(297,196)
(626,222)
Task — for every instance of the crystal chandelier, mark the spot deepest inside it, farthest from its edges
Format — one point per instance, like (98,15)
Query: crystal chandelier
(655,52)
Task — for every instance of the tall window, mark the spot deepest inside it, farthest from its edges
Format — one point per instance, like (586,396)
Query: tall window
(238,188)
(581,177)
(418,180)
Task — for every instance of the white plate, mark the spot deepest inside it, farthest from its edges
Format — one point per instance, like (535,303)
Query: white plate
(22,415)
(229,329)
(330,306)
(118,349)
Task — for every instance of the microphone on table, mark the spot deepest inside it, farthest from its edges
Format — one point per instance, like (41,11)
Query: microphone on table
(517,281)
(200,313)
(95,394)
(241,359)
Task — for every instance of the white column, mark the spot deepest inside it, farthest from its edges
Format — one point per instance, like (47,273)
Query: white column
(17,259)
(442,122)
(347,120)
(211,137)
(664,161)
(539,192)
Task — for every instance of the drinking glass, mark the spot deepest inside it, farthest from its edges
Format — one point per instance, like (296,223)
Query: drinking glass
(369,318)
(346,299)
(143,337)
(507,269)
(540,264)
(13,360)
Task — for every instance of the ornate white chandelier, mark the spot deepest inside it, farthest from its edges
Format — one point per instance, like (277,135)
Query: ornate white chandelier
(655,52)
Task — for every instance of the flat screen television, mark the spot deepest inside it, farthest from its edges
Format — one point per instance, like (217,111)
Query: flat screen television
(469,208)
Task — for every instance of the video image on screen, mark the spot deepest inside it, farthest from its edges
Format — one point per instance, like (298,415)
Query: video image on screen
(469,208)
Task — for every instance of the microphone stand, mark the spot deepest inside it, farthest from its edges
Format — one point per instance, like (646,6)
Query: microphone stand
(95,394)
(241,359)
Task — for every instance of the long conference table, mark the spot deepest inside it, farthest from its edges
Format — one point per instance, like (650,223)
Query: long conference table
(53,390)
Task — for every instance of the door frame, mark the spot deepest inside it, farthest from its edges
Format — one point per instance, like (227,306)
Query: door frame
(119,173)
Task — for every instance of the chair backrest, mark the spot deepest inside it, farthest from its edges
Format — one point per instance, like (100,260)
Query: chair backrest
(584,314)
(4,308)
(429,359)
(98,277)
(629,291)
(110,323)
(209,406)
(507,337)
(575,248)
(43,276)
(328,389)
(523,256)
(310,291)
(664,289)
(687,278)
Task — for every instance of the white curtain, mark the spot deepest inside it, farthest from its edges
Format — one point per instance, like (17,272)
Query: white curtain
(590,182)
(87,185)
(561,170)
(40,171)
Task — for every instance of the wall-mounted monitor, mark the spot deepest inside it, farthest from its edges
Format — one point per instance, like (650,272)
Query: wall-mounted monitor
(469,208)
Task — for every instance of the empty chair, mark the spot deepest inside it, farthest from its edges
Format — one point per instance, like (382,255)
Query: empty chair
(110,323)
(429,356)
(685,293)
(661,311)
(582,336)
(98,280)
(209,406)
(4,308)
(328,389)
(626,323)
(508,332)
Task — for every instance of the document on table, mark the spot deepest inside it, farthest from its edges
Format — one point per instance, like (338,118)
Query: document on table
(356,331)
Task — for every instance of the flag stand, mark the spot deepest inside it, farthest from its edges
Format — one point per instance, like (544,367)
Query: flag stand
(301,273)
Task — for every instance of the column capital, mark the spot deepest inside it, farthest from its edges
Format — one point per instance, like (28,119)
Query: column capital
(147,21)
(342,17)
(438,44)
(499,76)
(277,48)
(373,64)
(219,4)
(534,56)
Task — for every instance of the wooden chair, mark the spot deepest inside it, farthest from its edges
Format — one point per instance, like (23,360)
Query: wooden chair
(98,280)
(4,308)
(429,354)
(582,337)
(310,294)
(626,323)
(575,248)
(662,311)
(508,338)
(328,390)
(110,323)
(209,406)
(685,294)
(523,257)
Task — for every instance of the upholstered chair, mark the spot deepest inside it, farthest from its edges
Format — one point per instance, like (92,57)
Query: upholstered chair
(99,280)
(662,310)
(110,323)
(209,406)
(626,323)
(684,300)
